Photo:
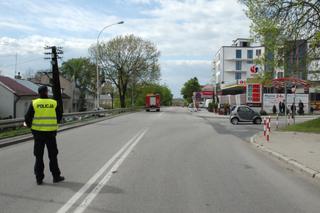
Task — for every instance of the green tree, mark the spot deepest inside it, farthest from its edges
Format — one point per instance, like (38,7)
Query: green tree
(189,87)
(128,60)
(275,22)
(164,92)
(82,71)
(297,19)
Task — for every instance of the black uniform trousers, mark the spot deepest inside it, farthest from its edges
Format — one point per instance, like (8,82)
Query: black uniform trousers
(42,139)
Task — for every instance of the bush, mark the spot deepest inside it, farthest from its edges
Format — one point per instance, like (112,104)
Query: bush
(263,112)
(210,107)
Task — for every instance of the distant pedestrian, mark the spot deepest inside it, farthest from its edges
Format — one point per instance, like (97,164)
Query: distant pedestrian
(284,107)
(293,109)
(43,117)
(311,110)
(301,106)
(274,109)
(280,107)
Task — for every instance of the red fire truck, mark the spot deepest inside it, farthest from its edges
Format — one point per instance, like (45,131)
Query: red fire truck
(152,102)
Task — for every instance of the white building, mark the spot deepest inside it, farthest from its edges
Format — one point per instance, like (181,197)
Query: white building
(231,64)
(16,96)
(314,67)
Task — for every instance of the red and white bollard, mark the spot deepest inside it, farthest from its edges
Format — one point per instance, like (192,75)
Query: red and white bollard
(289,119)
(264,126)
(269,123)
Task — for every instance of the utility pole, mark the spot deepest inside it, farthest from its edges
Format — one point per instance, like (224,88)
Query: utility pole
(285,102)
(16,65)
(56,88)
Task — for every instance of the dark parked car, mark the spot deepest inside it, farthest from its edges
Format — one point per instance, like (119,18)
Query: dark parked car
(244,114)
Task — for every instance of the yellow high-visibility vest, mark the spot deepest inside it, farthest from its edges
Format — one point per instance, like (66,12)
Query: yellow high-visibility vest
(45,117)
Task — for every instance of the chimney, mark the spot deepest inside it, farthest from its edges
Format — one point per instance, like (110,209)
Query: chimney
(18,76)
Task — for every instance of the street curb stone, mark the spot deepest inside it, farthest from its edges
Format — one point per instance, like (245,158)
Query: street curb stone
(297,165)
(218,117)
(28,137)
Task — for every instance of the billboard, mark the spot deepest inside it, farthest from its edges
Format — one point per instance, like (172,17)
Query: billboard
(274,98)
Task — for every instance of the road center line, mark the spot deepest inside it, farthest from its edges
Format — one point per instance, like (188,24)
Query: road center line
(86,202)
(94,178)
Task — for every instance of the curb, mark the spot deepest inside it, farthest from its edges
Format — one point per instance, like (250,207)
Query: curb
(297,165)
(28,137)
(208,116)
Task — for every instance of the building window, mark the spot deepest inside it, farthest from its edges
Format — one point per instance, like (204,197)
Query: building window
(238,75)
(245,44)
(238,65)
(258,52)
(238,54)
(249,62)
(280,75)
(250,54)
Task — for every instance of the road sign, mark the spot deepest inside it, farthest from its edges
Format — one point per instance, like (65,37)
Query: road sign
(198,96)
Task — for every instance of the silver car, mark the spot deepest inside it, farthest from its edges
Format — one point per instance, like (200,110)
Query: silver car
(244,114)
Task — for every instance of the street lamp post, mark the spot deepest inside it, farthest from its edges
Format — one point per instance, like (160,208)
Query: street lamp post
(97,64)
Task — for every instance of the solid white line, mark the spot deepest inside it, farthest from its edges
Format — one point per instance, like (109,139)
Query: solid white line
(94,178)
(86,202)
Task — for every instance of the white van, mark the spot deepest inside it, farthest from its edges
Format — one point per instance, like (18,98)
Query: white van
(206,104)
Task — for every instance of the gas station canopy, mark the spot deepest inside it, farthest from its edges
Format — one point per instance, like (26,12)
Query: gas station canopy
(280,82)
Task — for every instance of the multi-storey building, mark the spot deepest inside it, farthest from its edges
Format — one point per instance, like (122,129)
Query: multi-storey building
(314,66)
(295,59)
(232,65)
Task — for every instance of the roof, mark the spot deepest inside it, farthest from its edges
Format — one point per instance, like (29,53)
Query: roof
(207,87)
(280,82)
(16,87)
(32,86)
(21,87)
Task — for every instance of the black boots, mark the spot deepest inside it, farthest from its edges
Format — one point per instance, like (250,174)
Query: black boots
(55,180)
(58,179)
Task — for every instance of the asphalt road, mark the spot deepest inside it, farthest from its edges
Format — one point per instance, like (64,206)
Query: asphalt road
(172,161)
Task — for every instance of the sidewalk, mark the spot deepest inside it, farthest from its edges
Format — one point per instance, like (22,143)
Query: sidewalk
(301,150)
(206,113)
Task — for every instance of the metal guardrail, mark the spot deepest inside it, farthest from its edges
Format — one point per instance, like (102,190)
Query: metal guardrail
(70,117)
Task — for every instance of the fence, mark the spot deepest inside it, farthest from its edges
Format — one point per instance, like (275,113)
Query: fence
(70,117)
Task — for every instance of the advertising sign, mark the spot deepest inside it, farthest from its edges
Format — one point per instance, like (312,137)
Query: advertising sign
(254,92)
(274,98)
(254,69)
(207,93)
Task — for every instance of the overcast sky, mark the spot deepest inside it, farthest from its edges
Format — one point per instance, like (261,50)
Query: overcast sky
(187,32)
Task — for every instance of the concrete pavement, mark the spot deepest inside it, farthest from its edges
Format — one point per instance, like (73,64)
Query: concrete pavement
(63,127)
(182,163)
(301,150)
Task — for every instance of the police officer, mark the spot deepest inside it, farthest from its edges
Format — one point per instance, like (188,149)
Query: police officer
(43,117)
